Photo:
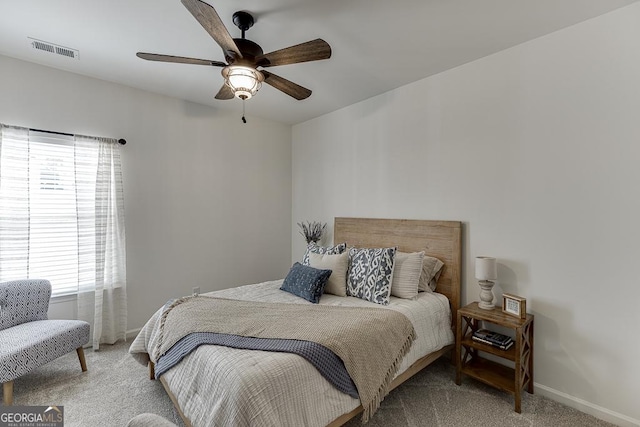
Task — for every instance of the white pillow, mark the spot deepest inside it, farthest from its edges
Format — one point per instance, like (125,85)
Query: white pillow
(431,269)
(338,264)
(406,274)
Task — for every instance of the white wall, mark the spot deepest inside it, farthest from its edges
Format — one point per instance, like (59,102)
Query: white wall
(207,198)
(536,149)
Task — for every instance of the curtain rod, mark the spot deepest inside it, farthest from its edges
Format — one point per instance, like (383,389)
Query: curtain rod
(120,141)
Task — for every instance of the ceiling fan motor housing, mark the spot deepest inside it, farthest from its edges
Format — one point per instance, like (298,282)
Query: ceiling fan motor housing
(249,49)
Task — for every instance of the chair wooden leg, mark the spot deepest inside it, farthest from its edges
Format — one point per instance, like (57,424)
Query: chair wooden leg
(152,370)
(7,396)
(83,363)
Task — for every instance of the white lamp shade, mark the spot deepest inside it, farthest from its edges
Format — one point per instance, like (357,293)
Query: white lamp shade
(243,81)
(486,268)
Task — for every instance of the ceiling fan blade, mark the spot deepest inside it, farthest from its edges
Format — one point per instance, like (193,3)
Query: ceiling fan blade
(290,88)
(225,92)
(178,59)
(210,21)
(310,51)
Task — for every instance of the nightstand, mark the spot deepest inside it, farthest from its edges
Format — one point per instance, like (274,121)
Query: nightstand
(470,362)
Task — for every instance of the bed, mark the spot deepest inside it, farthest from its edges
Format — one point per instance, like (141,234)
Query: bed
(217,385)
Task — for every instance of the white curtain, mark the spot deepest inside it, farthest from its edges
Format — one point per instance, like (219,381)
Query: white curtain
(62,219)
(103,301)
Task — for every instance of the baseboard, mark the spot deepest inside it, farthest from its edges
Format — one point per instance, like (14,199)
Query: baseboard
(132,333)
(586,407)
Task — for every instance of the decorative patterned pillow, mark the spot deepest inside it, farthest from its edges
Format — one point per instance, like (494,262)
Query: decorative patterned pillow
(306,282)
(338,264)
(23,301)
(371,274)
(406,274)
(431,270)
(328,250)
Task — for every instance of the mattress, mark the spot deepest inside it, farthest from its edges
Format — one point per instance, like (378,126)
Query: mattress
(221,386)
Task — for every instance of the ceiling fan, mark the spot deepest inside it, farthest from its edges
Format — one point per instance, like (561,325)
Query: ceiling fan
(244,57)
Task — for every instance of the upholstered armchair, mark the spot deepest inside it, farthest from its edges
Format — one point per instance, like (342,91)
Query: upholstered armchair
(27,339)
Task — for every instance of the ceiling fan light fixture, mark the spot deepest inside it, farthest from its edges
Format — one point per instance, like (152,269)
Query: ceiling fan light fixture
(243,81)
(243,57)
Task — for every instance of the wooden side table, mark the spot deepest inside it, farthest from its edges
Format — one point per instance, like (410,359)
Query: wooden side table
(469,361)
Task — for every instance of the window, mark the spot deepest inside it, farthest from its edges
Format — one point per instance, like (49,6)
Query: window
(47,209)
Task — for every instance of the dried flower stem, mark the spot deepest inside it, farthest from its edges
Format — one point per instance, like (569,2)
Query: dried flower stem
(312,231)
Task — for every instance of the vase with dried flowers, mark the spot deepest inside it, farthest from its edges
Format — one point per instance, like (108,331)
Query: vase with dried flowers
(312,231)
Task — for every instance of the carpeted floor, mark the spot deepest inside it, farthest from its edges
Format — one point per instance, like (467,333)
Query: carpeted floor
(116,388)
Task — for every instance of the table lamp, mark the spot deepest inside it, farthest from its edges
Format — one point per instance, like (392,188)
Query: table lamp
(486,272)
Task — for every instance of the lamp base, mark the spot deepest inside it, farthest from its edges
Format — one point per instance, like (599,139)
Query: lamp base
(486,295)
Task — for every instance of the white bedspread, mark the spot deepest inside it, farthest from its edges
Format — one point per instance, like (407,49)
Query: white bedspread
(221,386)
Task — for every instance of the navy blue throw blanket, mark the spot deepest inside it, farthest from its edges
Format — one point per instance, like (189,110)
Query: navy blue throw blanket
(324,360)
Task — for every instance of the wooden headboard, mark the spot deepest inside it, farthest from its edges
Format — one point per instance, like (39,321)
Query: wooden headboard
(439,239)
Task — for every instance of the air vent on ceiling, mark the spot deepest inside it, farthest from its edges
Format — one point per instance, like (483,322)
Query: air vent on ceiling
(54,48)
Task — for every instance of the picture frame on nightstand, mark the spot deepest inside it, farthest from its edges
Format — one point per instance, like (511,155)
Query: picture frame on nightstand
(514,305)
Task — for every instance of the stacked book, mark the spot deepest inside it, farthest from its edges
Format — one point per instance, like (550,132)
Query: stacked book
(493,339)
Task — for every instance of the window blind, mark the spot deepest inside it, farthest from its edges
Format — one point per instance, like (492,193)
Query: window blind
(47,209)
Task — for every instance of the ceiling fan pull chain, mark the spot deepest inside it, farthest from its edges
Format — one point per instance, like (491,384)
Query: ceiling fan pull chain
(243,119)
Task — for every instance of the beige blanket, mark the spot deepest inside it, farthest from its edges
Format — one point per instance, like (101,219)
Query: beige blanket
(370,341)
